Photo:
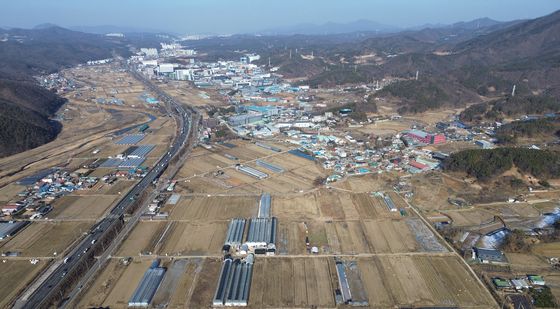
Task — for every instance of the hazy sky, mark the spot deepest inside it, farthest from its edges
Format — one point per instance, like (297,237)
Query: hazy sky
(234,16)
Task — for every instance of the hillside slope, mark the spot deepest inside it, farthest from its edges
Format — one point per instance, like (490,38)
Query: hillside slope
(26,108)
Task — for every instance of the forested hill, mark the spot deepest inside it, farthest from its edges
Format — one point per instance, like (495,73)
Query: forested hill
(25,107)
(487,163)
(25,111)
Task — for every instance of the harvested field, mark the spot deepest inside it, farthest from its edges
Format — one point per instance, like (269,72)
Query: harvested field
(366,183)
(546,206)
(424,236)
(390,236)
(342,205)
(214,208)
(527,263)
(291,238)
(372,236)
(421,281)
(186,284)
(120,187)
(202,162)
(202,185)
(205,285)
(292,282)
(294,207)
(156,139)
(168,285)
(469,217)
(143,238)
(333,205)
(9,192)
(432,190)
(359,295)
(120,293)
(386,127)
(117,282)
(336,205)
(109,148)
(194,239)
(293,181)
(106,281)
(14,277)
(81,207)
(551,249)
(245,151)
(235,178)
(33,240)
(523,210)
(288,161)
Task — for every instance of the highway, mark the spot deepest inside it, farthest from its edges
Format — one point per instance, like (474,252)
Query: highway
(81,253)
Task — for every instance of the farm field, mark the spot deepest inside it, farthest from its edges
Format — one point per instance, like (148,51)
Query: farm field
(14,276)
(421,281)
(115,284)
(142,239)
(88,207)
(33,239)
(193,239)
(213,208)
(333,205)
(293,282)
(199,171)
(10,191)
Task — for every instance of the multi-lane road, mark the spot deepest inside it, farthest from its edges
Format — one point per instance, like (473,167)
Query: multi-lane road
(54,283)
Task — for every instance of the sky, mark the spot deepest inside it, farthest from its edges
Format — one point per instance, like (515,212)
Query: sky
(242,16)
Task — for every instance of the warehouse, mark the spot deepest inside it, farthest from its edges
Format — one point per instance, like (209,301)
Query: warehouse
(130,139)
(10,228)
(251,172)
(488,255)
(264,206)
(426,138)
(235,232)
(261,236)
(244,119)
(148,286)
(270,166)
(234,283)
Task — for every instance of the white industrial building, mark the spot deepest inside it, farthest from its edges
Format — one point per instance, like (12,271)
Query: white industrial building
(150,52)
(165,68)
